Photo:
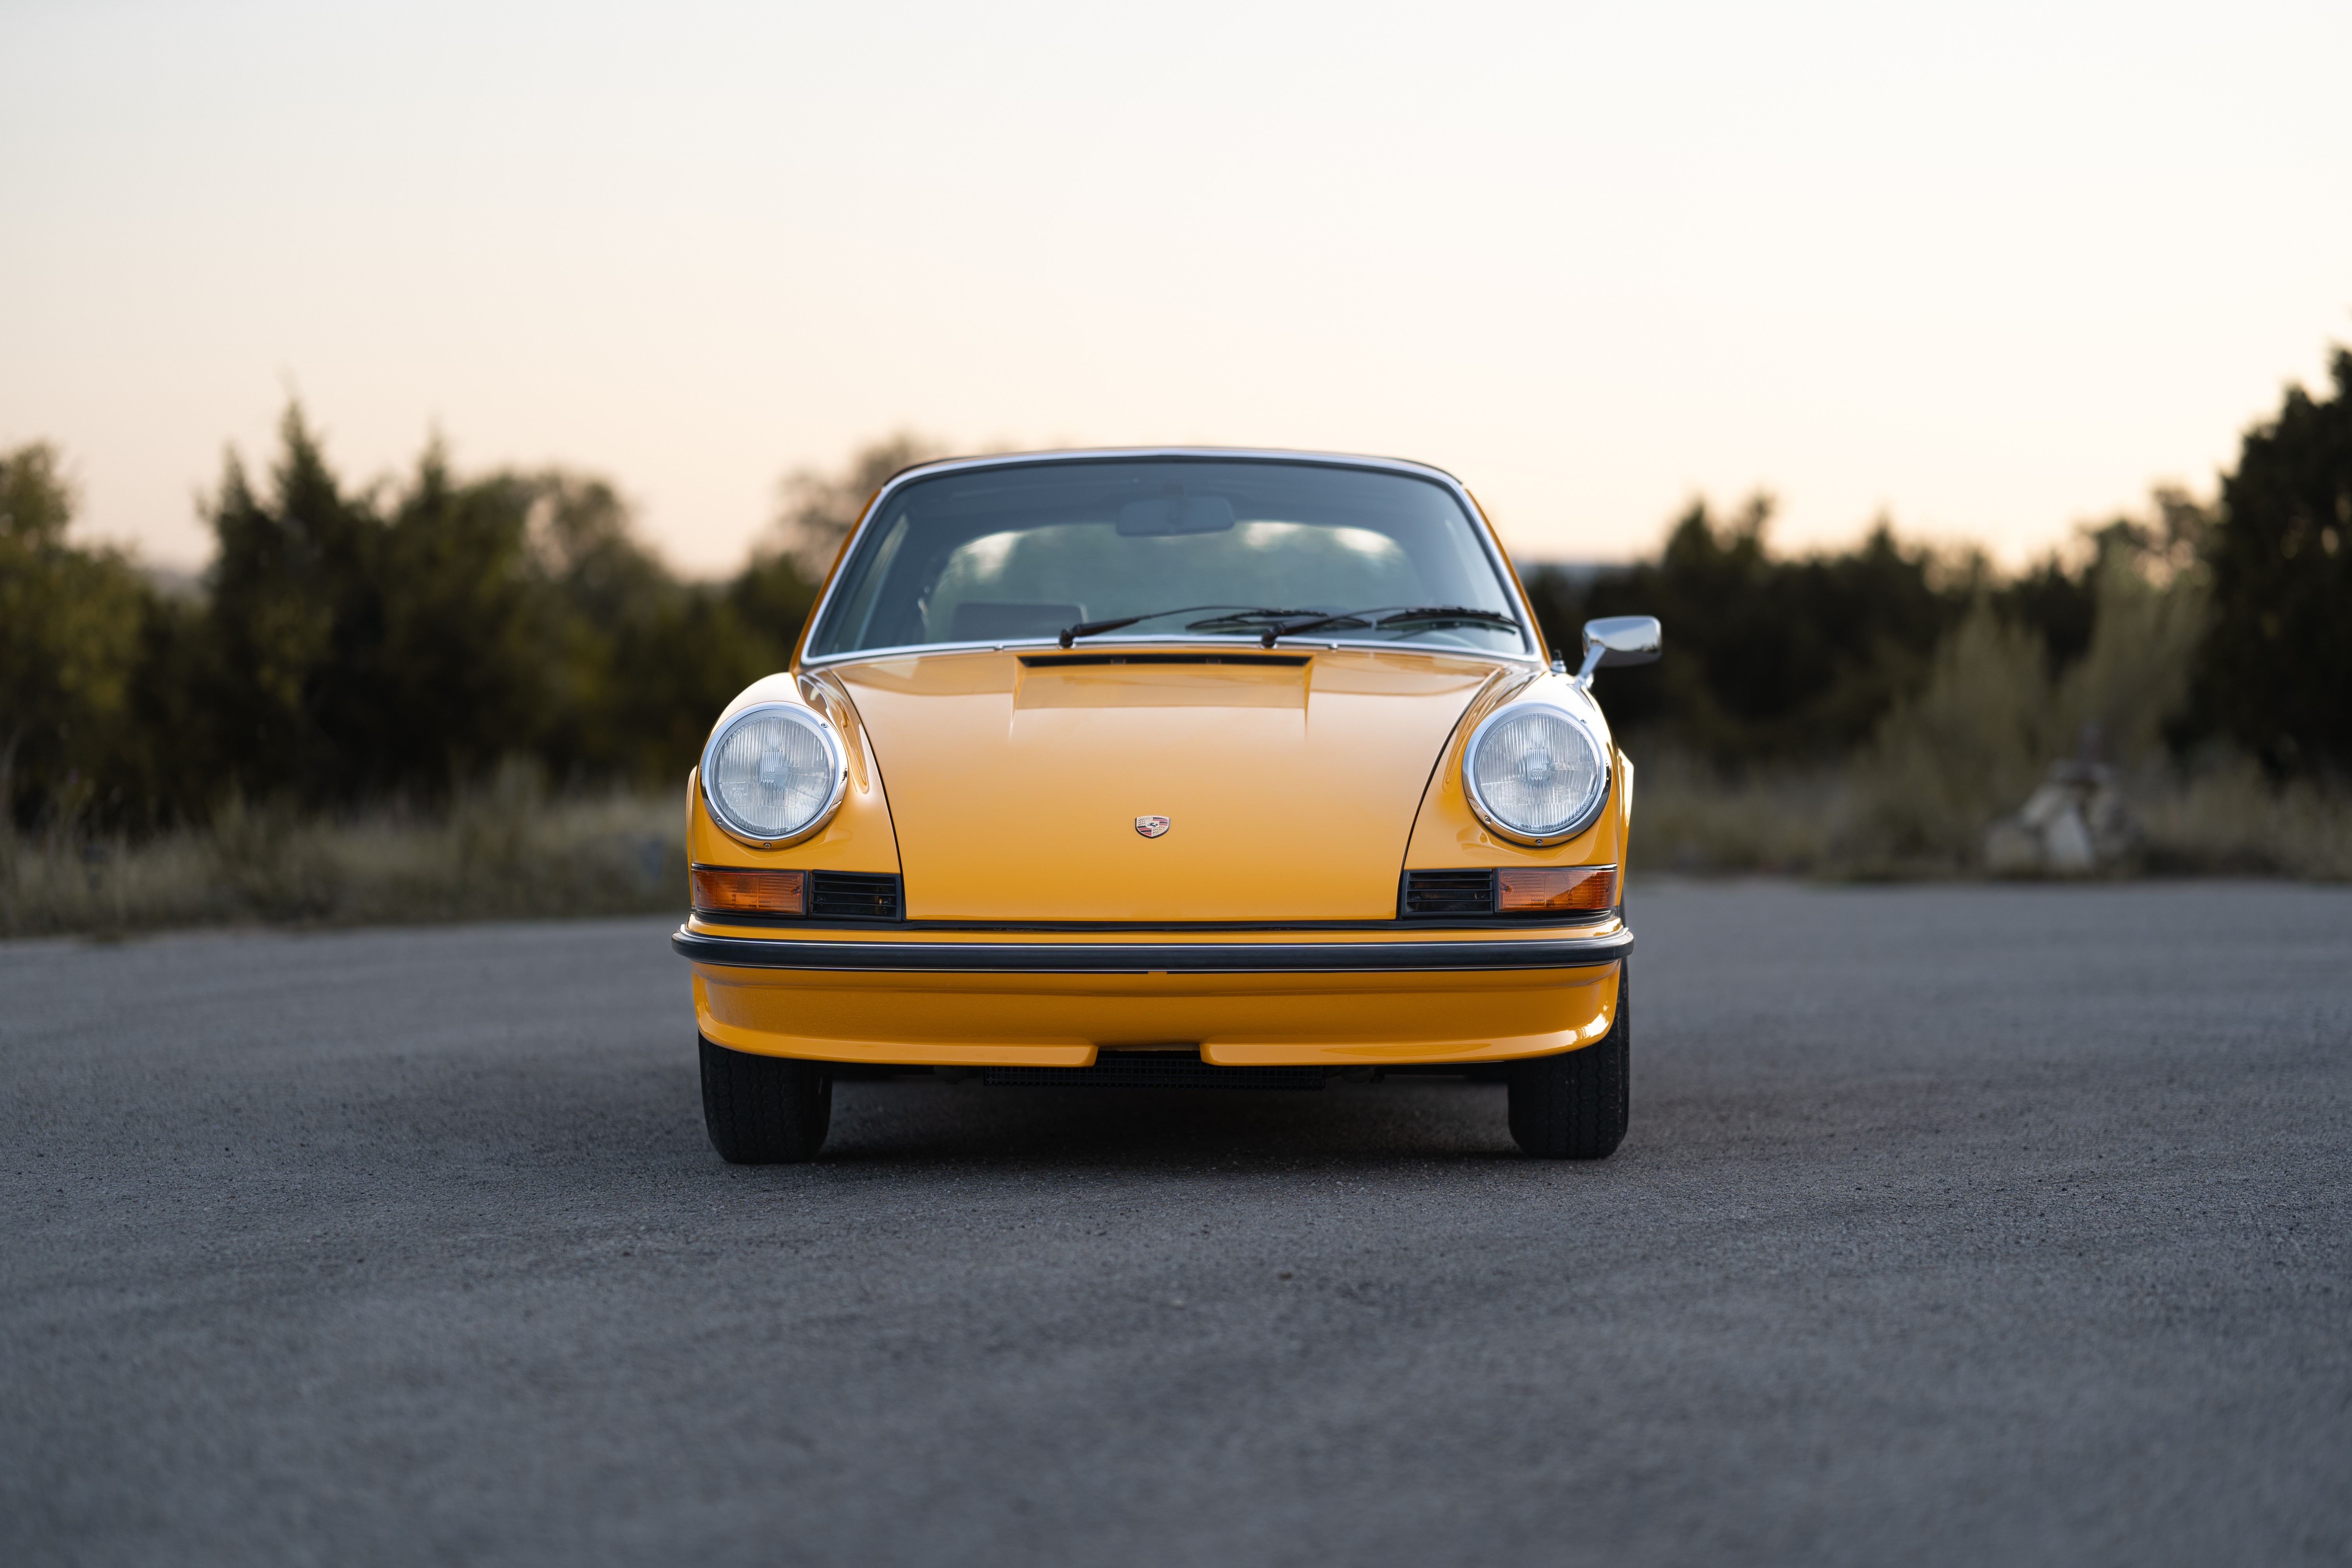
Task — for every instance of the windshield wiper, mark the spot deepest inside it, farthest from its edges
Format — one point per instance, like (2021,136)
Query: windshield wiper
(1448,615)
(1089,628)
(1244,619)
(1417,614)
(1284,628)
(1287,622)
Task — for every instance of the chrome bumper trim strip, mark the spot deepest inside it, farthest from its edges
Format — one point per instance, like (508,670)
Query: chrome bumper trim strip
(1148,958)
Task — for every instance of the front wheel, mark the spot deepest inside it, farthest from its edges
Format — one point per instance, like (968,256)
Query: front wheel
(764,1110)
(1575,1106)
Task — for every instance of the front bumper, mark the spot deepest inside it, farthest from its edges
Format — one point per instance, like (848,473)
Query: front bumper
(1277,999)
(1273,957)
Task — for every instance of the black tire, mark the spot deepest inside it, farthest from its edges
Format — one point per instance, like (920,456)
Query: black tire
(764,1110)
(1575,1106)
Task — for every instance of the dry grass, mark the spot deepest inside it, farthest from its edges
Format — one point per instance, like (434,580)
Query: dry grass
(1973,743)
(510,851)
(2220,818)
(2229,820)
(506,851)
(1689,818)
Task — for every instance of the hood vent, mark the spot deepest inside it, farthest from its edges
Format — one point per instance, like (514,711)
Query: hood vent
(1068,660)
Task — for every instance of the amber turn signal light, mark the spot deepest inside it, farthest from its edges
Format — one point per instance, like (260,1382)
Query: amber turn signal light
(719,890)
(1556,888)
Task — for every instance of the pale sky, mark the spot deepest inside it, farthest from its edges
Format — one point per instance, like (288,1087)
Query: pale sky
(1992,269)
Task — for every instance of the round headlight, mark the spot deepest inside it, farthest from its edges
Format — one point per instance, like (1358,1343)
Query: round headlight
(1535,773)
(773,773)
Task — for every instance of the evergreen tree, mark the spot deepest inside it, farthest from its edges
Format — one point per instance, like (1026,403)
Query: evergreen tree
(70,624)
(2276,667)
(1773,656)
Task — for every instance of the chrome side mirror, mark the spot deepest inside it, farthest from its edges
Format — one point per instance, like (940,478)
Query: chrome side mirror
(1615,640)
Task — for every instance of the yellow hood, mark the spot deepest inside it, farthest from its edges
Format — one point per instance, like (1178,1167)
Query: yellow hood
(1289,781)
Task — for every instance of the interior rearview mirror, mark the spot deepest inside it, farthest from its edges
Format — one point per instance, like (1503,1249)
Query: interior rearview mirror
(1176,514)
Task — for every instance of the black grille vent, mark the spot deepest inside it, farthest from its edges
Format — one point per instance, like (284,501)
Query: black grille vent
(1122,1070)
(1065,661)
(853,895)
(1449,892)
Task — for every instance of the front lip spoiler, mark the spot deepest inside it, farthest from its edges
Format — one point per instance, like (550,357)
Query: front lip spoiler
(1148,958)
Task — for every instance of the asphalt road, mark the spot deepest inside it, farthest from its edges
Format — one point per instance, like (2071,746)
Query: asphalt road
(1955,1225)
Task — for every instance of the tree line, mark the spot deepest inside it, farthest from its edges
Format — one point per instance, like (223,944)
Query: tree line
(361,645)
(1778,658)
(356,645)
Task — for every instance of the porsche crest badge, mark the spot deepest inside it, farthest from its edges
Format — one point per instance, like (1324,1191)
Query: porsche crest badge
(1152,826)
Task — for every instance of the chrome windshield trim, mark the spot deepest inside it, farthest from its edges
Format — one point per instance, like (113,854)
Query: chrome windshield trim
(1496,557)
(1152,958)
(1238,643)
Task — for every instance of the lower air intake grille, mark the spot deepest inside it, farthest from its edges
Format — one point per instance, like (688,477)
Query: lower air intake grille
(1449,892)
(853,895)
(1120,1071)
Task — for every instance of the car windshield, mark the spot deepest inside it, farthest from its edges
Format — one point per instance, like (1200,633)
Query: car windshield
(1185,549)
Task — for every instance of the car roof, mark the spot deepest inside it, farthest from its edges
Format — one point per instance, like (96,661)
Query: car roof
(1196,453)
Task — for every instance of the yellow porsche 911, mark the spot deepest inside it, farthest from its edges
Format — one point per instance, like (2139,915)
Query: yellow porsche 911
(1166,768)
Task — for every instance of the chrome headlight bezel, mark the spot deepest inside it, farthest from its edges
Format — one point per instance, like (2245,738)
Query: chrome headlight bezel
(836,762)
(1589,814)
